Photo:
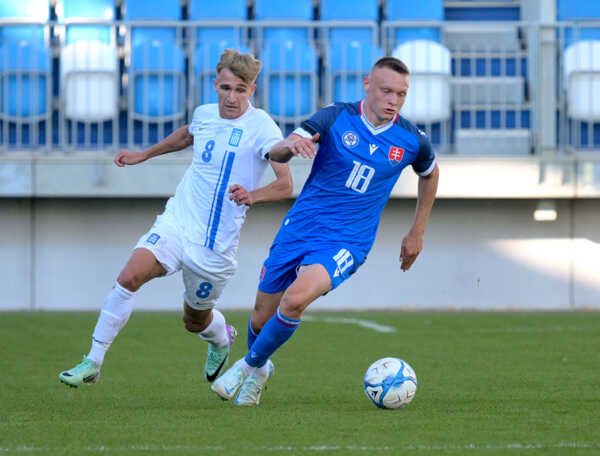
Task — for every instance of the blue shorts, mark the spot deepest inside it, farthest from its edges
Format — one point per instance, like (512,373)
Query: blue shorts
(280,269)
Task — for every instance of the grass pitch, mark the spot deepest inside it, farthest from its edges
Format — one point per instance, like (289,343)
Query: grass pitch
(489,384)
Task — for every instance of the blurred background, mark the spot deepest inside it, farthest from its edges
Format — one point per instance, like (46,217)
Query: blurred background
(507,90)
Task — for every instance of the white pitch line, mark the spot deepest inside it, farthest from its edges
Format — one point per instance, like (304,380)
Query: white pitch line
(316,448)
(352,321)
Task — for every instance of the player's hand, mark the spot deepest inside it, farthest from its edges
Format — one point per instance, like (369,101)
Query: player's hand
(240,196)
(412,244)
(128,157)
(305,147)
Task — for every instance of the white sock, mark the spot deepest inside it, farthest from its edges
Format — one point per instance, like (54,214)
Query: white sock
(262,373)
(247,368)
(216,332)
(113,317)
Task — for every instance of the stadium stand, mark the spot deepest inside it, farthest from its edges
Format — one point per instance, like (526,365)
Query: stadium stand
(285,37)
(25,74)
(349,38)
(137,68)
(579,38)
(89,72)
(156,73)
(216,28)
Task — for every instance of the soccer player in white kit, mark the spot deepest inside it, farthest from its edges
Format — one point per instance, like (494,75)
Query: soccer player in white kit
(198,233)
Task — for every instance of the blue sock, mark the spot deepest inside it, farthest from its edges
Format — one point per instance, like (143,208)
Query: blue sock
(252,335)
(273,335)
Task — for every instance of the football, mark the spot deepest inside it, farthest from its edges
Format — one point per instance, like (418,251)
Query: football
(390,383)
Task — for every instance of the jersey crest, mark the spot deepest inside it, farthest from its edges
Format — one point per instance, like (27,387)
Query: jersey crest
(350,139)
(395,155)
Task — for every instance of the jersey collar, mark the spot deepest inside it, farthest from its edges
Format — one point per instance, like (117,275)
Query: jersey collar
(373,129)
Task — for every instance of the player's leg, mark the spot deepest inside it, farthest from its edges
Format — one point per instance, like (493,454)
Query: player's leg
(313,281)
(250,373)
(265,306)
(118,304)
(211,326)
(205,275)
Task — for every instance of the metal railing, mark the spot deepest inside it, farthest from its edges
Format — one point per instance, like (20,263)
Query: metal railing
(494,84)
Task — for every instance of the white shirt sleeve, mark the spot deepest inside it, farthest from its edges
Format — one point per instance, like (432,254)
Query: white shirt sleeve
(269,135)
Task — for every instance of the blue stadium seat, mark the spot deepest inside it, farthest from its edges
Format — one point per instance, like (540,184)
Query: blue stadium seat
(154,10)
(294,10)
(24,61)
(353,10)
(289,80)
(224,10)
(424,10)
(349,63)
(90,9)
(580,11)
(206,57)
(157,66)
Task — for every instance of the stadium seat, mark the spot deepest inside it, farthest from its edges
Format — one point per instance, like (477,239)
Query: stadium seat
(212,39)
(364,12)
(348,64)
(428,99)
(89,81)
(289,80)
(294,11)
(222,11)
(582,80)
(206,57)
(424,10)
(580,12)
(24,61)
(100,10)
(157,62)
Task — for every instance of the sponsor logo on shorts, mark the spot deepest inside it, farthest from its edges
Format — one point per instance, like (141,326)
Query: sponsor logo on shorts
(236,136)
(153,239)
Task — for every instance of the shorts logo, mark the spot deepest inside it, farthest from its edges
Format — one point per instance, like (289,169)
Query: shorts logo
(236,136)
(153,239)
(395,155)
(344,260)
(350,139)
(262,273)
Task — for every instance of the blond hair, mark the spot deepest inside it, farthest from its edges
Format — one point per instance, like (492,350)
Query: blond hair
(244,66)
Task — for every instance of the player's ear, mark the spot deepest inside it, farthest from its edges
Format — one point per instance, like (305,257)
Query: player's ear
(366,83)
(252,89)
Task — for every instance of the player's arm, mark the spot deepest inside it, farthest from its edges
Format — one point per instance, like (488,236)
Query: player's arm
(294,144)
(178,140)
(279,189)
(412,244)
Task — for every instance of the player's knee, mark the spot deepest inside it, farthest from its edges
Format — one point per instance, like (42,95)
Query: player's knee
(130,281)
(293,304)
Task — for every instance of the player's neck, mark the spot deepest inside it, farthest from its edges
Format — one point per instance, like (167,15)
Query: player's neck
(373,118)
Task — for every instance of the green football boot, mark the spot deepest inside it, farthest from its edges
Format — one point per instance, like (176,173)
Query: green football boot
(217,358)
(87,371)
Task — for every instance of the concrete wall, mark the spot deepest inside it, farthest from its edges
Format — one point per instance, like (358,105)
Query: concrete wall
(486,254)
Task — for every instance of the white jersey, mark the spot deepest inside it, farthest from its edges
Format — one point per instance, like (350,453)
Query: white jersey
(226,152)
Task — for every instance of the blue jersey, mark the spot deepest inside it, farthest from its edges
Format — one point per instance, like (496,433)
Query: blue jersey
(352,176)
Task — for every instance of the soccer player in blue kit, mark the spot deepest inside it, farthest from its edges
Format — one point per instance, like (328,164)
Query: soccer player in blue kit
(327,234)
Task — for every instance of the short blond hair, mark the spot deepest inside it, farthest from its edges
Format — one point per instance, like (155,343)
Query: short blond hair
(244,66)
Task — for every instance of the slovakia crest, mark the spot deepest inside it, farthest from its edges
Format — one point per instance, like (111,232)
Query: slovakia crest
(395,155)
(350,139)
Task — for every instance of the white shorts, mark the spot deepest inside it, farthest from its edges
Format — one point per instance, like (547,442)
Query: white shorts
(205,272)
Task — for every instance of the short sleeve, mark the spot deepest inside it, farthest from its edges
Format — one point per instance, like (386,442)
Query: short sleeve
(425,161)
(321,121)
(269,135)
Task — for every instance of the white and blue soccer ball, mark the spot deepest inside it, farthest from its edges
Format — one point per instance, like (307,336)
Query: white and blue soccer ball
(390,383)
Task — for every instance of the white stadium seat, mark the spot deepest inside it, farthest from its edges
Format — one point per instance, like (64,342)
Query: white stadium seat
(582,80)
(89,76)
(428,98)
